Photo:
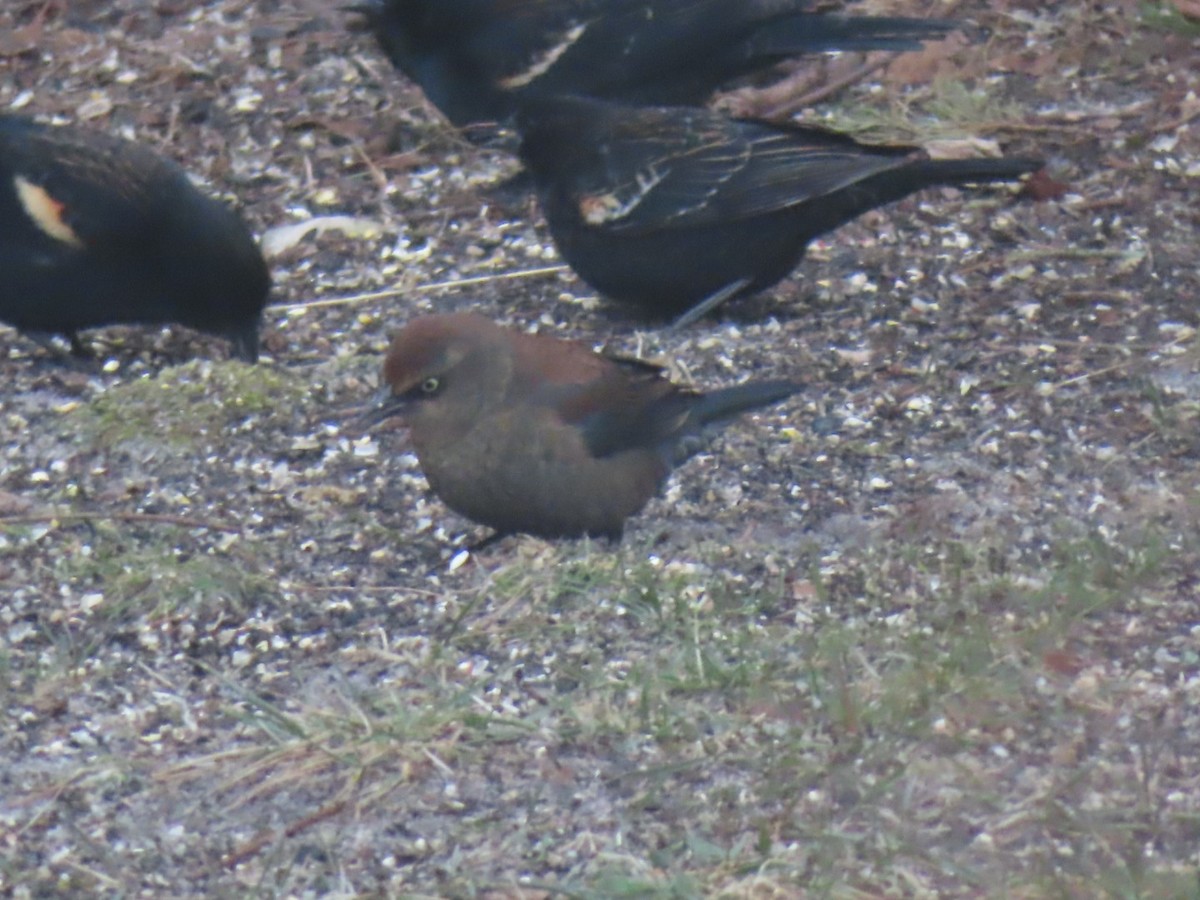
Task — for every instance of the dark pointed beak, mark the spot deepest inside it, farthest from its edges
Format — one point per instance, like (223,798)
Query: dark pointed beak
(382,406)
(245,343)
(370,10)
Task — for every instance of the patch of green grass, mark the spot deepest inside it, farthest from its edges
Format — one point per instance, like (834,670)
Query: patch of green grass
(961,682)
(947,108)
(183,404)
(353,719)
(130,583)
(1165,16)
(636,881)
(747,749)
(150,575)
(1120,883)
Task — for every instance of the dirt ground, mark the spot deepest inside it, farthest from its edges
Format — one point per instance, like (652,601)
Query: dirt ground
(931,629)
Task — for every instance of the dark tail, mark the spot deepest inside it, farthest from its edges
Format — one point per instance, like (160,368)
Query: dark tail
(809,33)
(726,403)
(891,184)
(711,410)
(895,184)
(972,171)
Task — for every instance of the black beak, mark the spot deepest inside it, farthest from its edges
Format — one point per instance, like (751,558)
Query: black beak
(245,343)
(370,10)
(382,406)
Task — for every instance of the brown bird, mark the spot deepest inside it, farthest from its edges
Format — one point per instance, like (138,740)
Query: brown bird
(530,433)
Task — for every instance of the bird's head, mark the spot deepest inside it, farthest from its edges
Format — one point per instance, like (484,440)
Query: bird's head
(441,372)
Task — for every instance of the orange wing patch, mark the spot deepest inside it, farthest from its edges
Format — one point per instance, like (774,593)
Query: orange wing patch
(45,211)
(597,209)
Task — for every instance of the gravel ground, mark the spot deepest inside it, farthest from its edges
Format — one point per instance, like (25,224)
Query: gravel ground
(932,628)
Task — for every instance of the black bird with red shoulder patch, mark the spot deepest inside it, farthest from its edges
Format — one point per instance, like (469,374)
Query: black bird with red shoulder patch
(476,59)
(677,210)
(96,230)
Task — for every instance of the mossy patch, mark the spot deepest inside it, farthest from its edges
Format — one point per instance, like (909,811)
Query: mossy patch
(945,109)
(186,403)
(1163,16)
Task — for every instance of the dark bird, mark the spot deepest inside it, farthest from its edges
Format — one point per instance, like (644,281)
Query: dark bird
(677,210)
(531,433)
(475,59)
(95,230)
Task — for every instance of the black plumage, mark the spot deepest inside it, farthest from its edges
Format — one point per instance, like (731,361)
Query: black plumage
(476,59)
(676,209)
(96,230)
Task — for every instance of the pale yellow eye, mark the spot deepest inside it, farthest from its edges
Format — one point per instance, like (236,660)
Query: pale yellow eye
(430,385)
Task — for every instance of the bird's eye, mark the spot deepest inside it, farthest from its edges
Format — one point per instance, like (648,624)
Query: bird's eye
(430,385)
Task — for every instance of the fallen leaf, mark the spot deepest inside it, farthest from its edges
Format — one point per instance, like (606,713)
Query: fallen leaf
(283,237)
(962,148)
